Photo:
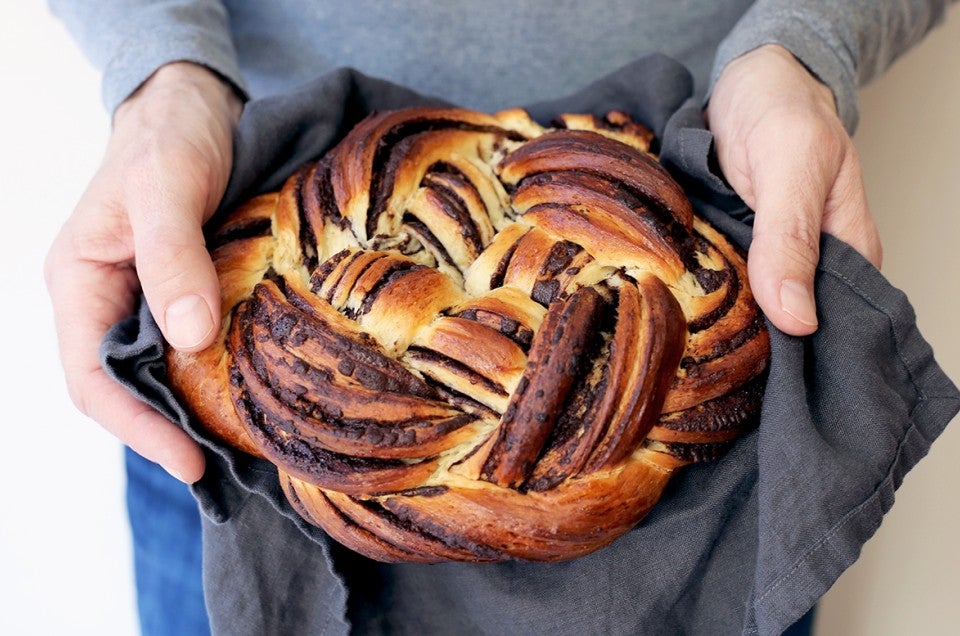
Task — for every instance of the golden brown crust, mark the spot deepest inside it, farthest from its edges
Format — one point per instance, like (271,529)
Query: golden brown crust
(467,337)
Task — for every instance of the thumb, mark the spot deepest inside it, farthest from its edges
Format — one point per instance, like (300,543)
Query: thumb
(177,275)
(785,250)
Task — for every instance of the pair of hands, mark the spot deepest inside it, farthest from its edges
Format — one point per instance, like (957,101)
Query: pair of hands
(138,225)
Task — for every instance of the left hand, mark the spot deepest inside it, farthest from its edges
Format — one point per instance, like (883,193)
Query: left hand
(786,153)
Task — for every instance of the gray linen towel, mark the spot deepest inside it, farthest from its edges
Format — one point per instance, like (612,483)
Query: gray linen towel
(746,544)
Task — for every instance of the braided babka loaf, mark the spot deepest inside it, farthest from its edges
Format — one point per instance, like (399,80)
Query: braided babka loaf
(467,337)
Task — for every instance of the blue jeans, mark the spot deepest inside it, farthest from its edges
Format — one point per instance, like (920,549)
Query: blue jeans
(165,525)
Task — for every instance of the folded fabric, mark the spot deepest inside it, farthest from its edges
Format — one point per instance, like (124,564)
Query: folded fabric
(744,544)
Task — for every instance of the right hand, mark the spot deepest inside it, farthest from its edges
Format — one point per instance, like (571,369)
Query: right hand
(138,226)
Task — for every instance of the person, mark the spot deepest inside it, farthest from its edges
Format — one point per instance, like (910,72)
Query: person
(773,74)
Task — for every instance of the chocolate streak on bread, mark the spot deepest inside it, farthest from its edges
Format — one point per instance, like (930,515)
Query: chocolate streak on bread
(498,275)
(290,394)
(322,200)
(423,233)
(351,520)
(307,221)
(720,420)
(554,358)
(248,229)
(506,325)
(724,347)
(391,144)
(593,153)
(654,223)
(547,287)
(455,207)
(649,334)
(458,368)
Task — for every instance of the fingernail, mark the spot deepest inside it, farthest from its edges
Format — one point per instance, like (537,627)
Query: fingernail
(176,475)
(188,321)
(797,300)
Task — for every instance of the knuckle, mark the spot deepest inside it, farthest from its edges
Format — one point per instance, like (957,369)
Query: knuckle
(52,264)
(799,244)
(831,142)
(78,389)
(165,250)
(803,238)
(807,134)
(164,271)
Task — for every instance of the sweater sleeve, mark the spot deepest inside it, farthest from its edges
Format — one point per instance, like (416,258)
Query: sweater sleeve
(844,44)
(130,39)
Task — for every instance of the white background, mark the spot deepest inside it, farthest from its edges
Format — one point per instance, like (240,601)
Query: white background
(64,544)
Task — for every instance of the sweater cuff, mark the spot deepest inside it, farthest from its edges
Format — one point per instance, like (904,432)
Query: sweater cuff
(143,52)
(811,43)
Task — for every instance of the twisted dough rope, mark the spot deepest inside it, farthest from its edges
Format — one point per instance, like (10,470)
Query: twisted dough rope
(467,337)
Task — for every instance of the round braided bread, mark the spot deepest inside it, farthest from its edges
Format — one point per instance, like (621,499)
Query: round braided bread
(468,337)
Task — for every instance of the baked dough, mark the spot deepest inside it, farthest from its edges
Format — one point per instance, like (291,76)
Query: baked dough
(468,337)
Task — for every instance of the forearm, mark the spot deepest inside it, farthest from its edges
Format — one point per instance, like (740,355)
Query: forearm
(844,44)
(130,39)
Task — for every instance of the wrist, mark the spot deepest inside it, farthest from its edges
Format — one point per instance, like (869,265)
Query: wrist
(783,65)
(177,80)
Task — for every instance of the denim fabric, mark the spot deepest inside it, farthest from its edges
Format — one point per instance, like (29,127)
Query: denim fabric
(165,524)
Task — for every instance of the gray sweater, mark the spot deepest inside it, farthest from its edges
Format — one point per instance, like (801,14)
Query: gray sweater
(492,54)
